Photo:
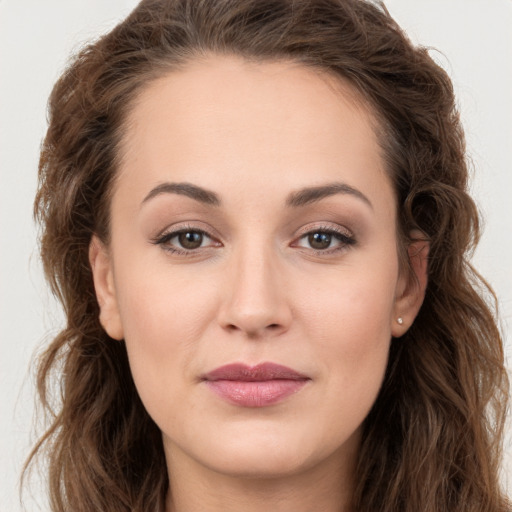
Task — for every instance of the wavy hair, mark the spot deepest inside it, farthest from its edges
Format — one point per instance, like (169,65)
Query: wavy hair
(433,439)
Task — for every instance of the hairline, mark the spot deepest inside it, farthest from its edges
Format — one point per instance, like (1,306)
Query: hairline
(334,79)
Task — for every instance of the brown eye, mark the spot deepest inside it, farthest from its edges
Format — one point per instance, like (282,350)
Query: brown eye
(185,241)
(327,240)
(319,240)
(190,239)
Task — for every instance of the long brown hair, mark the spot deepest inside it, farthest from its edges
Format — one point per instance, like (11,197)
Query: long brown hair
(432,441)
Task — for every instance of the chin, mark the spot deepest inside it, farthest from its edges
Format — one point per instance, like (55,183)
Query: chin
(261,451)
(260,462)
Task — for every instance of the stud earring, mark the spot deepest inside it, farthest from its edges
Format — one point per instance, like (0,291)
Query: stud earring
(400,320)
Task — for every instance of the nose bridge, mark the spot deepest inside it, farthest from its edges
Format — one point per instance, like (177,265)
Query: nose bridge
(255,302)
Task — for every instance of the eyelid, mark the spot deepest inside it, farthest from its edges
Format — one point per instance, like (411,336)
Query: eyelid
(170,232)
(325,227)
(188,225)
(345,237)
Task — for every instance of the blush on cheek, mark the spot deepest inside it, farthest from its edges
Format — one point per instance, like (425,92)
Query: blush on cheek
(363,317)
(352,336)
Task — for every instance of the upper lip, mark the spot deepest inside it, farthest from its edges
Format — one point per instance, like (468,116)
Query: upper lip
(260,372)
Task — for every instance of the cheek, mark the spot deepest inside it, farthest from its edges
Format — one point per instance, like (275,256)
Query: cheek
(164,309)
(352,309)
(353,340)
(164,317)
(351,326)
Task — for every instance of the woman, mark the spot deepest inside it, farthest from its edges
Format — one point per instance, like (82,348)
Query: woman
(255,215)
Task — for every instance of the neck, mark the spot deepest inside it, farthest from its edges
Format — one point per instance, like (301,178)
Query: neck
(326,486)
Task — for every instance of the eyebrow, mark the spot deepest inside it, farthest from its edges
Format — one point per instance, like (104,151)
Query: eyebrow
(310,195)
(302,197)
(185,189)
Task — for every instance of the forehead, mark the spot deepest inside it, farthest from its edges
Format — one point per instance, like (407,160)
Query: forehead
(224,119)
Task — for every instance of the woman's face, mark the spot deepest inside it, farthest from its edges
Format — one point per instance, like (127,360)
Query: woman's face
(253,222)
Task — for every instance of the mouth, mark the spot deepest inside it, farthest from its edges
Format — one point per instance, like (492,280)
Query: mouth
(254,386)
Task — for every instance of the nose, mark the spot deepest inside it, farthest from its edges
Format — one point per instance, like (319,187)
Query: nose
(255,303)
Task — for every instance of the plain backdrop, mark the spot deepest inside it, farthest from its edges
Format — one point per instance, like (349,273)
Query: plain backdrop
(474,43)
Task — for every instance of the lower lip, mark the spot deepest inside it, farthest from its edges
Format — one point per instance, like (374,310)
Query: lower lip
(255,394)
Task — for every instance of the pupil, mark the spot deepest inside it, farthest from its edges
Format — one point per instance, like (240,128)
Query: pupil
(319,240)
(190,240)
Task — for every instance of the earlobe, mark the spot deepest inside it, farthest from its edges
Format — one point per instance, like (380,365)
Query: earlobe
(411,291)
(104,286)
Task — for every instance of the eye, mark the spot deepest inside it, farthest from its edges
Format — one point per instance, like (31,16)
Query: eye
(185,240)
(326,240)
(189,239)
(320,240)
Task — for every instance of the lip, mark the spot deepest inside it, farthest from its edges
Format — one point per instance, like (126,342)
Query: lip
(254,386)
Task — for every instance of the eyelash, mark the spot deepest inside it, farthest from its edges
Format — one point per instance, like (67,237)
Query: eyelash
(165,238)
(345,239)
(343,236)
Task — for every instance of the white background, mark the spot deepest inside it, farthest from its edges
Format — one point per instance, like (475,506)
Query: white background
(36,37)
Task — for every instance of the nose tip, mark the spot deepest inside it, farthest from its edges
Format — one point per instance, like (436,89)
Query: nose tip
(256,304)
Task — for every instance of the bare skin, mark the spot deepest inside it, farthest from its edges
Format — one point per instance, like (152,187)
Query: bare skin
(253,221)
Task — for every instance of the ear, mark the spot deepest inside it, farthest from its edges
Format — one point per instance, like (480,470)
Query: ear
(412,285)
(103,276)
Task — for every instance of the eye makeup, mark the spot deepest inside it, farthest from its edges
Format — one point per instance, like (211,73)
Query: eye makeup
(323,240)
(186,240)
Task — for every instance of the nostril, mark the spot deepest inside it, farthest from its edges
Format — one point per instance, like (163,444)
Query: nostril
(253,332)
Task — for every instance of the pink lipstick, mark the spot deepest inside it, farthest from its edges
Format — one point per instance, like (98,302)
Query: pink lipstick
(256,386)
